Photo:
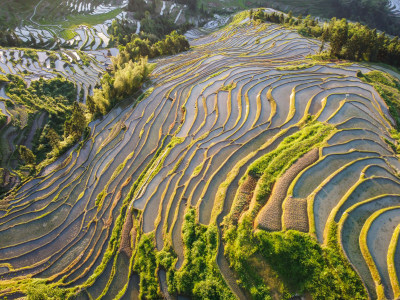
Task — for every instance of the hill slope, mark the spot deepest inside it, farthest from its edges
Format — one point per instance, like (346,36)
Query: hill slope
(229,130)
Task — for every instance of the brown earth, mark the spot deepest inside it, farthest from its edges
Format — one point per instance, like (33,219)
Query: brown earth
(243,199)
(270,216)
(295,214)
(128,234)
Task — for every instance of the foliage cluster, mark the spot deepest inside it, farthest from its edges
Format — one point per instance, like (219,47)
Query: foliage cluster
(298,259)
(53,96)
(123,82)
(199,276)
(153,28)
(173,43)
(374,13)
(130,70)
(3,119)
(39,290)
(66,120)
(146,266)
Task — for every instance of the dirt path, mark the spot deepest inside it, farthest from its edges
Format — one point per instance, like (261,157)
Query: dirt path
(226,272)
(38,123)
(223,264)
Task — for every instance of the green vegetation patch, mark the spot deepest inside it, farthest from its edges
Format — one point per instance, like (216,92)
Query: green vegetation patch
(388,88)
(49,107)
(3,78)
(38,290)
(296,67)
(199,275)
(130,70)
(298,259)
(54,95)
(146,266)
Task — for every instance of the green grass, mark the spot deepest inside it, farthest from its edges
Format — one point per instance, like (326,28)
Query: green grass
(67,34)
(296,67)
(228,87)
(301,263)
(89,20)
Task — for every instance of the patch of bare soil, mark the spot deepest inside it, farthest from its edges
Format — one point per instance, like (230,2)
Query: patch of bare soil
(270,216)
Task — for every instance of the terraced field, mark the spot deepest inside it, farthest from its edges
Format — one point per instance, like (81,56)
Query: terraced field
(83,24)
(77,24)
(215,111)
(394,6)
(83,68)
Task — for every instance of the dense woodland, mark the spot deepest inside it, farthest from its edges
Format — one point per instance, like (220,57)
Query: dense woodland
(373,13)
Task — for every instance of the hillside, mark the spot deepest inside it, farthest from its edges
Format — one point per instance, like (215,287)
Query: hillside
(247,170)
(84,25)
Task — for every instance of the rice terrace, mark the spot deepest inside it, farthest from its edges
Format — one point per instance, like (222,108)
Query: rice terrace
(201,149)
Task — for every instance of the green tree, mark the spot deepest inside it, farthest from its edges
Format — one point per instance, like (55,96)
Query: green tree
(54,138)
(26,155)
(77,123)
(338,35)
(91,105)
(130,78)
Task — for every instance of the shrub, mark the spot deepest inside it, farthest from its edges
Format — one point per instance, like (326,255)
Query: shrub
(38,290)
(26,155)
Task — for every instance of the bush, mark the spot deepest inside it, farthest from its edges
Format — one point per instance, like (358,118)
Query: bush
(40,291)
(199,275)
(127,80)
(3,119)
(26,155)
(146,265)
(307,267)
